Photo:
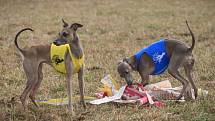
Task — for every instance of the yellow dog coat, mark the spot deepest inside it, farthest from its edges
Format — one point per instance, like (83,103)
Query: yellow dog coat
(58,57)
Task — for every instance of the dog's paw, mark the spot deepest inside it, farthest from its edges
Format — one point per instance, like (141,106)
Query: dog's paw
(83,104)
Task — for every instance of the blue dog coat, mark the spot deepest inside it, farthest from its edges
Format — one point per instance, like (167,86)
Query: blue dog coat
(157,52)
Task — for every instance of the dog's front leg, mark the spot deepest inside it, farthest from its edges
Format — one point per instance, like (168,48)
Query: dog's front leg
(145,78)
(81,86)
(69,83)
(69,88)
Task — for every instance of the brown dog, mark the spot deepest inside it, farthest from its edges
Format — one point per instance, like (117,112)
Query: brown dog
(175,55)
(35,56)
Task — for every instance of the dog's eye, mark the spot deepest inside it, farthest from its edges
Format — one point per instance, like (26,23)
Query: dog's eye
(65,34)
(126,72)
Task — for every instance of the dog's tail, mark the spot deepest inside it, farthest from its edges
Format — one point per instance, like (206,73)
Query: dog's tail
(193,38)
(15,41)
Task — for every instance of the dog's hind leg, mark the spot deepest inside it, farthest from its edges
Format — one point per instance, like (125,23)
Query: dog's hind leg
(175,62)
(176,75)
(188,72)
(31,71)
(37,85)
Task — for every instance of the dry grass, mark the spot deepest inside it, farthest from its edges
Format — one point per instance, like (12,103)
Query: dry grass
(112,30)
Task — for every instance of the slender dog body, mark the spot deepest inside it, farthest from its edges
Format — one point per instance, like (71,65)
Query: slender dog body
(179,54)
(35,56)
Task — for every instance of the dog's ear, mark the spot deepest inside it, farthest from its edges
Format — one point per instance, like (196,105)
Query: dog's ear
(130,61)
(75,26)
(126,59)
(65,24)
(119,62)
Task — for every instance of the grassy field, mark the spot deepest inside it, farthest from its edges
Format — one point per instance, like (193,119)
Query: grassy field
(113,29)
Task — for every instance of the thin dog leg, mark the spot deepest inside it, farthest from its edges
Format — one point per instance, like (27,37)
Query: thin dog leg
(188,73)
(184,82)
(175,63)
(69,86)
(81,86)
(145,77)
(37,85)
(31,72)
(68,79)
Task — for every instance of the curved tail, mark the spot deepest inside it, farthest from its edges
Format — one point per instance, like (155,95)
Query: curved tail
(193,38)
(15,41)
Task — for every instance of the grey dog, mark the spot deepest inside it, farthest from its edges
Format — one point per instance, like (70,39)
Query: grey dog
(35,56)
(179,54)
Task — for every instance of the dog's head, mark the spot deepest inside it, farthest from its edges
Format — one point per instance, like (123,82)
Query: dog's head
(68,31)
(124,69)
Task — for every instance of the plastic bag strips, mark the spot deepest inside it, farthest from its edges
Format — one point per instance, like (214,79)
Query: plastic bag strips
(155,94)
